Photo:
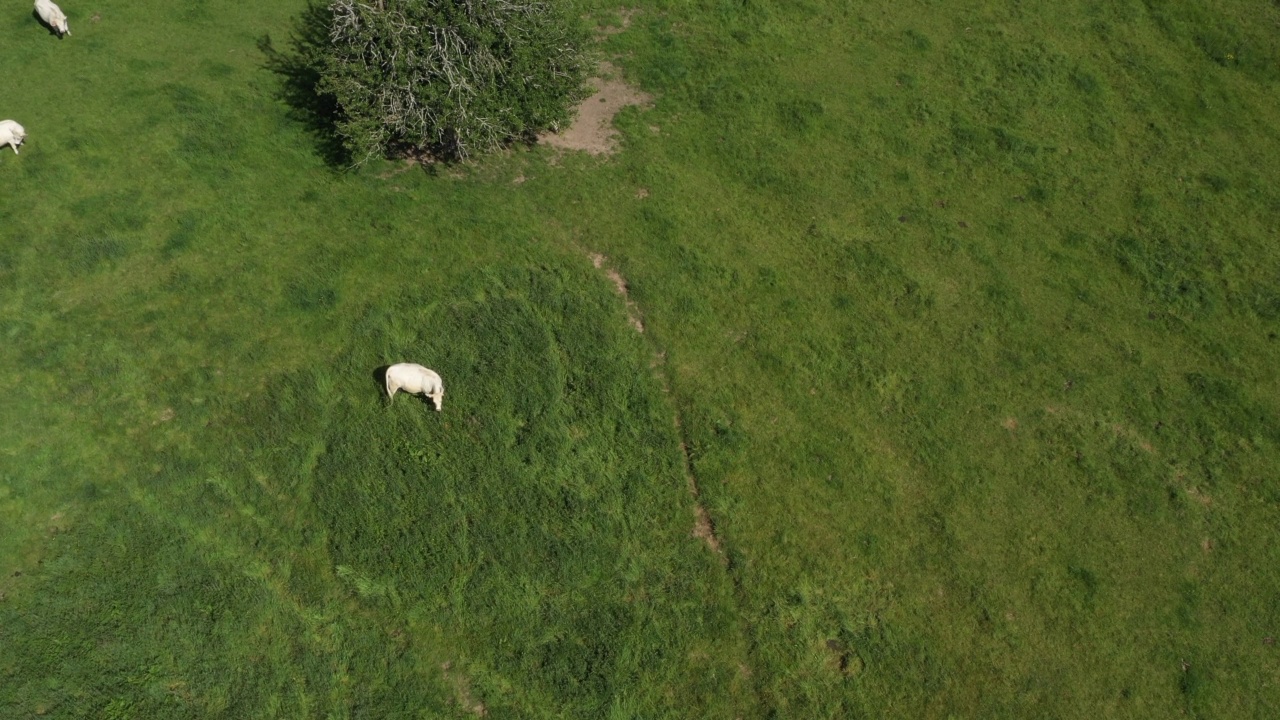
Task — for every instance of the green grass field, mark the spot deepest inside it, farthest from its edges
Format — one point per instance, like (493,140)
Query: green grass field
(963,317)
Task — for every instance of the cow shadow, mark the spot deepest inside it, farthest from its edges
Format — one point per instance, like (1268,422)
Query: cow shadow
(45,25)
(379,376)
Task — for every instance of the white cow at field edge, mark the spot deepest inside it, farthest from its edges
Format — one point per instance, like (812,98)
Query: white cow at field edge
(415,379)
(11,134)
(53,16)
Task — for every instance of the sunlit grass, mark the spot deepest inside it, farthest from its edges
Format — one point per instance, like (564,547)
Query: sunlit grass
(968,314)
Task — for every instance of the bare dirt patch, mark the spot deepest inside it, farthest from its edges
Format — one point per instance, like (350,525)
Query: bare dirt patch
(1132,436)
(592,129)
(462,691)
(1196,494)
(406,164)
(619,284)
(703,528)
(625,16)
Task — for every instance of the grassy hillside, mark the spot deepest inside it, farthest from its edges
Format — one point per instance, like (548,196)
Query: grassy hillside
(968,314)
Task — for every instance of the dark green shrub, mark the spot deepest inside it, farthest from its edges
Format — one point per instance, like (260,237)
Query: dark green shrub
(447,78)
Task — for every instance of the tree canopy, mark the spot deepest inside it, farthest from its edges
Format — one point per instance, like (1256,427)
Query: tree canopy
(447,78)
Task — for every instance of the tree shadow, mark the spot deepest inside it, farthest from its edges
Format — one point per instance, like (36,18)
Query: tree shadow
(297,67)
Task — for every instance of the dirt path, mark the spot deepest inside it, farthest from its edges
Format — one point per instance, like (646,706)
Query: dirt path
(703,526)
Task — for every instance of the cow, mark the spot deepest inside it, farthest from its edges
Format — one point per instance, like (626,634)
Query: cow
(53,16)
(11,134)
(415,379)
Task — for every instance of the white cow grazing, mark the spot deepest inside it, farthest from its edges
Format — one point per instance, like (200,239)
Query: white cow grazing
(415,379)
(11,134)
(53,16)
